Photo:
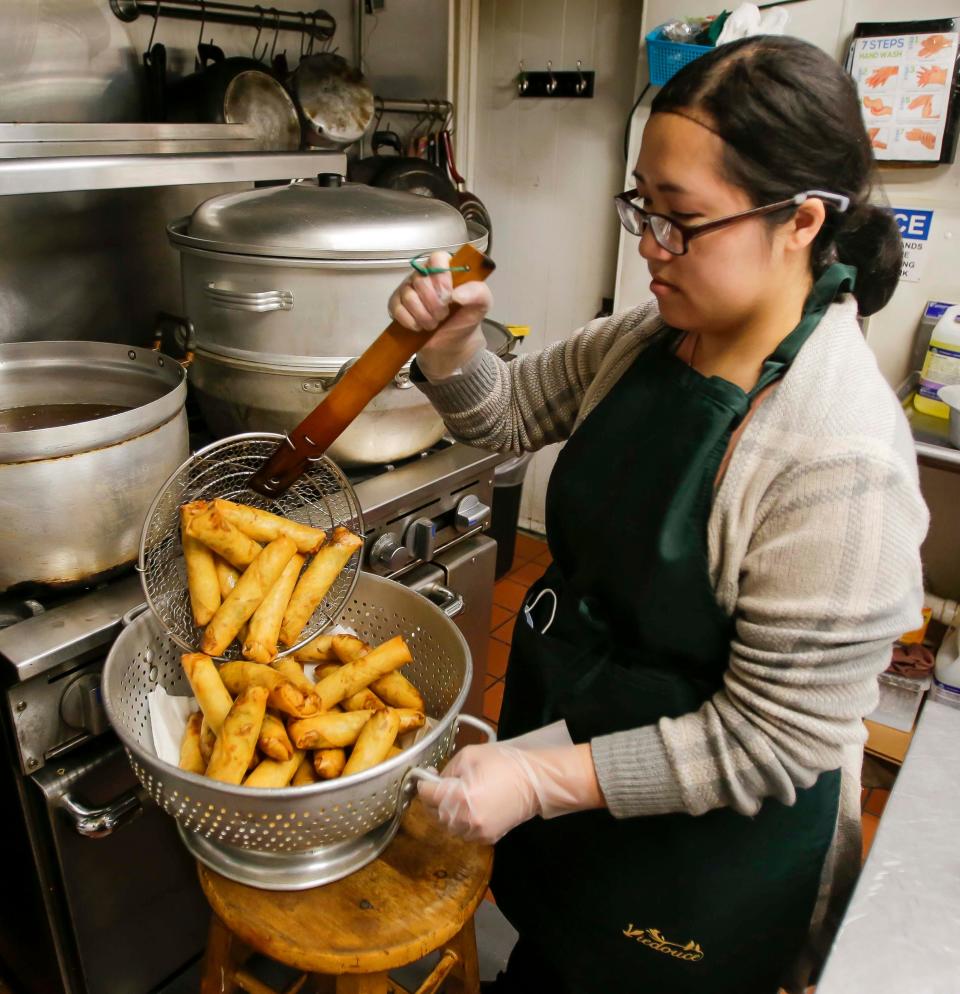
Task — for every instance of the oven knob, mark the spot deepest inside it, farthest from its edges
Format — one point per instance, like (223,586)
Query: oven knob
(471,513)
(421,538)
(81,705)
(389,554)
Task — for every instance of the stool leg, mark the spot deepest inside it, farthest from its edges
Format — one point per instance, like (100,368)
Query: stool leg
(225,954)
(465,976)
(363,983)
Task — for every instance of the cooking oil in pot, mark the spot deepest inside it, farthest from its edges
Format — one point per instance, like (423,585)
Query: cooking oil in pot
(35,416)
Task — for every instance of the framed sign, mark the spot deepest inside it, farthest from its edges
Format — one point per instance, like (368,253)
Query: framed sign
(907,80)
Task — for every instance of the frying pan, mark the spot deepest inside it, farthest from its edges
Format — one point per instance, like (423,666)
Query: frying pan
(336,105)
(469,205)
(407,173)
(238,90)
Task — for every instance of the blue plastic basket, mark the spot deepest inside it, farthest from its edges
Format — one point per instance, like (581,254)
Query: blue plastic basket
(667,58)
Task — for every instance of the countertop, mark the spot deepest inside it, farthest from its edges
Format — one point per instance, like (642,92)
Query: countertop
(901,932)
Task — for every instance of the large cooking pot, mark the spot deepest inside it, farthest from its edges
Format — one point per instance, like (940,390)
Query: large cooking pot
(240,396)
(88,433)
(285,286)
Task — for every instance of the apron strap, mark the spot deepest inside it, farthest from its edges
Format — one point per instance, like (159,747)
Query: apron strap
(836,279)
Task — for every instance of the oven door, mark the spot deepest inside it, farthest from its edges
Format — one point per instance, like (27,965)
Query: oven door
(133,904)
(460,581)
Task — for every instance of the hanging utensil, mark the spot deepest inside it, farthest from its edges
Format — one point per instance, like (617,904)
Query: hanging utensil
(155,70)
(336,104)
(289,475)
(469,205)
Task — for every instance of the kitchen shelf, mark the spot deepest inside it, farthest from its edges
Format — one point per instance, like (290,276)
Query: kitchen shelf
(66,173)
(31,140)
(930,434)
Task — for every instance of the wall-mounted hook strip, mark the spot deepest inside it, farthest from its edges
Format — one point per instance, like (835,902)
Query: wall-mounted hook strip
(555,83)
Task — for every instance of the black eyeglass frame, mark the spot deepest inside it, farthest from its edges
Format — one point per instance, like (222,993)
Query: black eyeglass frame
(688,231)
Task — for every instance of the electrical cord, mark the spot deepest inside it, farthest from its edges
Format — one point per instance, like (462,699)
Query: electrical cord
(629,124)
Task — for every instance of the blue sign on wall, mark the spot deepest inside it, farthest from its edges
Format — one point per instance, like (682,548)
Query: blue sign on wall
(913,225)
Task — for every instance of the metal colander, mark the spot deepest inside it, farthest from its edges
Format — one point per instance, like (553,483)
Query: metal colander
(322,497)
(295,837)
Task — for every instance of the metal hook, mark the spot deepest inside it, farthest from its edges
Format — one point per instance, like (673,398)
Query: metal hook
(256,41)
(523,83)
(581,83)
(153,30)
(276,30)
(552,85)
(303,34)
(203,20)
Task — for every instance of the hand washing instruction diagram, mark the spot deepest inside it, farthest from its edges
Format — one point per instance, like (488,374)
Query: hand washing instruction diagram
(904,86)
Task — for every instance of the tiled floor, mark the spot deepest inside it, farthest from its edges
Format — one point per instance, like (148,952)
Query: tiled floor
(531,558)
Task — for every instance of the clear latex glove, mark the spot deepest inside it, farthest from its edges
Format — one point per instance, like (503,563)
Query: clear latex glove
(489,789)
(422,303)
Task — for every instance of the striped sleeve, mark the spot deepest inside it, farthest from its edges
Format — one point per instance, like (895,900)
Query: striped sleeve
(532,401)
(830,578)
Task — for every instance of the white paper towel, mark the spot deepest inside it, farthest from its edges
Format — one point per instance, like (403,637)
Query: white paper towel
(168,719)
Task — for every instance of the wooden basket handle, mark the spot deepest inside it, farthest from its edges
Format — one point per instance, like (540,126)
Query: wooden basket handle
(372,371)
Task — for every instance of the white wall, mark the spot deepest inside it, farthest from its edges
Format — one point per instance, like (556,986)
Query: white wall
(547,169)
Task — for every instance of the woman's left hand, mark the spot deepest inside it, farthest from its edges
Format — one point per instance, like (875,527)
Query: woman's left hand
(489,789)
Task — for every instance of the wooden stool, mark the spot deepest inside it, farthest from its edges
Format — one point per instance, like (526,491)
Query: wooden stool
(417,897)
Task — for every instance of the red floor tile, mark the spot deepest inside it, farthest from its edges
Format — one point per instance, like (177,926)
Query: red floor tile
(492,701)
(864,795)
(499,615)
(509,594)
(527,574)
(497,655)
(877,801)
(505,631)
(528,547)
(869,824)
(544,559)
(518,561)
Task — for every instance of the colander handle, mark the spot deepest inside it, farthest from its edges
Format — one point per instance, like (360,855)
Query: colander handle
(422,773)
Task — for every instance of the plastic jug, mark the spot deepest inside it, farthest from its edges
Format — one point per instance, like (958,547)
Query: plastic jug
(941,366)
(946,670)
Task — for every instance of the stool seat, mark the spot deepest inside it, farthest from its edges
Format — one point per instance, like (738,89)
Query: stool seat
(416,896)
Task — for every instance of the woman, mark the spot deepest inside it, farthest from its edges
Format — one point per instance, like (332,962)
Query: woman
(735,525)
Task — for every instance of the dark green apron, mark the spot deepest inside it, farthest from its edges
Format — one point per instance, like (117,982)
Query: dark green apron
(669,904)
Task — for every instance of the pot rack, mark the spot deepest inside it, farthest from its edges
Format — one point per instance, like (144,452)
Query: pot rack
(319,24)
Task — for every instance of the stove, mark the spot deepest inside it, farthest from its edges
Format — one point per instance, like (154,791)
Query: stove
(97,871)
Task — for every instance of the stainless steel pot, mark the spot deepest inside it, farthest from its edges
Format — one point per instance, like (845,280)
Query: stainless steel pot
(73,497)
(283,286)
(237,396)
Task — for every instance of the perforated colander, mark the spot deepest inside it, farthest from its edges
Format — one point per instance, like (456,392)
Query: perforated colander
(295,837)
(321,497)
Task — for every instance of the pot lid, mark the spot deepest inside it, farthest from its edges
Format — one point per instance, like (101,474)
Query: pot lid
(314,220)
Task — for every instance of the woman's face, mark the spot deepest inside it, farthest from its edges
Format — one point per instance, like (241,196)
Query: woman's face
(726,275)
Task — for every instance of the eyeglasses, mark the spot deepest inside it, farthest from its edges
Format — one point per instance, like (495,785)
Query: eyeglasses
(675,237)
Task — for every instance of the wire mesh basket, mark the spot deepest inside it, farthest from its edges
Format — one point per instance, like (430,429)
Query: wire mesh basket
(323,498)
(295,837)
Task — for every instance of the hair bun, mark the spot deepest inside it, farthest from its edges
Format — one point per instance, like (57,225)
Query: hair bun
(868,237)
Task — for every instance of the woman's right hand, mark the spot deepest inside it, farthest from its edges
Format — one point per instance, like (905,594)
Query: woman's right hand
(423,303)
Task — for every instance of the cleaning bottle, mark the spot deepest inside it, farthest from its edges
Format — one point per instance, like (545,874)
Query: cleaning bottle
(942,364)
(946,670)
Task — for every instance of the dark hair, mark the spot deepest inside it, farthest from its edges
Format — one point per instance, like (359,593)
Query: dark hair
(790,119)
